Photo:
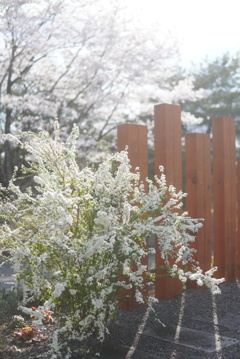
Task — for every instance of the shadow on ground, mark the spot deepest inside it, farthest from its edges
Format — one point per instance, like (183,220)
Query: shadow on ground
(197,325)
(193,325)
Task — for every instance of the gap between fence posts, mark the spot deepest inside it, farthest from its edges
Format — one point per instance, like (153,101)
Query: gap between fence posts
(135,138)
(198,200)
(225,195)
(167,153)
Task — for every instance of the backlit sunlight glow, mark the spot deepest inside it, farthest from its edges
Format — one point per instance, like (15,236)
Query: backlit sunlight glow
(138,335)
(197,25)
(180,319)
(238,283)
(218,344)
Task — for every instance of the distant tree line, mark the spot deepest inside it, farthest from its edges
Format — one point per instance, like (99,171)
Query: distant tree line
(220,80)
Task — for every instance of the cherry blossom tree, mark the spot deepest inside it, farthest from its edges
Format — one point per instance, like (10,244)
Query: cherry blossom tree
(90,63)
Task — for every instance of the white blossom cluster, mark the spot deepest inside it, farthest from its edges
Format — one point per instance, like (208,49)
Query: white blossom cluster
(82,234)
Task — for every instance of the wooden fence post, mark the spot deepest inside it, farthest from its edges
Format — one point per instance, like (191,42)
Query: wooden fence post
(238,227)
(168,153)
(198,188)
(135,137)
(225,197)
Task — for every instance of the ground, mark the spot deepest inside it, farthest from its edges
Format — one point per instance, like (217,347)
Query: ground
(198,325)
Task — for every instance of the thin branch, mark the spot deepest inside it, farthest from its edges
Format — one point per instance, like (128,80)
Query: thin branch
(101,135)
(66,71)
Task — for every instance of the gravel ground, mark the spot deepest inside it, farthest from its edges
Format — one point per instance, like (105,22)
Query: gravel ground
(133,336)
(194,309)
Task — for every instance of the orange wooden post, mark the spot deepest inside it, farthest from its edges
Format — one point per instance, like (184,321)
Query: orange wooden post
(225,197)
(198,188)
(168,153)
(135,137)
(238,208)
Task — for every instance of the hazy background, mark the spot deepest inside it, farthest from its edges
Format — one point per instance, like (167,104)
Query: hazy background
(205,29)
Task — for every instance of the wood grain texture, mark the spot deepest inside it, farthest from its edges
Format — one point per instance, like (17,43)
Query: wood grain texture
(198,188)
(225,197)
(167,153)
(238,219)
(134,137)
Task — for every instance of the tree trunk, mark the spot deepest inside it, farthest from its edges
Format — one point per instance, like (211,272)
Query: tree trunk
(7,162)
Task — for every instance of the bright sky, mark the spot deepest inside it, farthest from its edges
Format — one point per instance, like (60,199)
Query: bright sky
(206,28)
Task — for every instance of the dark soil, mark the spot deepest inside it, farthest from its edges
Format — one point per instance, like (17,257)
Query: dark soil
(129,336)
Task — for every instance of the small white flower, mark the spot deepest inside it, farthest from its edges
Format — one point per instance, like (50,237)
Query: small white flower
(72,291)
(139,297)
(59,288)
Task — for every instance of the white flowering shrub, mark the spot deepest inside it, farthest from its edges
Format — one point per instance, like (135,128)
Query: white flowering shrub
(81,228)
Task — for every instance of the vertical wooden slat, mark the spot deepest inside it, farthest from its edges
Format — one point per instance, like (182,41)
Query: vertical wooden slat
(238,226)
(167,153)
(167,139)
(135,138)
(198,188)
(208,218)
(225,213)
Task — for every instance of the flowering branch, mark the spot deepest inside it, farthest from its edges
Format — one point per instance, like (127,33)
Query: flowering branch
(72,237)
